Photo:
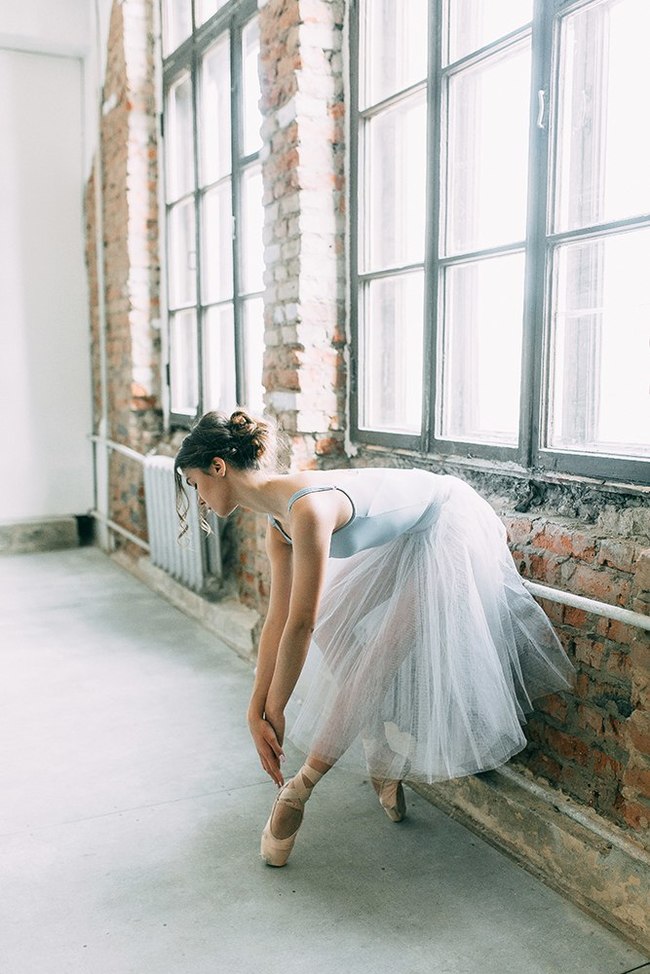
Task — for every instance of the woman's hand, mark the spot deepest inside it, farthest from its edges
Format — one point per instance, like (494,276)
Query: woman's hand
(277,721)
(268,745)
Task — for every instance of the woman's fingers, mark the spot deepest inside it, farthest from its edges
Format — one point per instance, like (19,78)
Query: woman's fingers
(272,768)
(271,763)
(274,743)
(268,748)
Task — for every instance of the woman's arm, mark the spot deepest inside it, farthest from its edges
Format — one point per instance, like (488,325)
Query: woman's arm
(267,742)
(280,559)
(311,528)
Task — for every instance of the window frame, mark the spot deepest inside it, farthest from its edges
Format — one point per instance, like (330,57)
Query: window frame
(233,18)
(530,455)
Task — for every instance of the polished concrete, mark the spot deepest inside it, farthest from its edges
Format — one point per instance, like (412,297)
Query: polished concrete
(132,803)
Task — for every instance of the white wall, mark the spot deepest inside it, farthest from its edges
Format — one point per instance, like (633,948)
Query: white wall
(50,71)
(71,28)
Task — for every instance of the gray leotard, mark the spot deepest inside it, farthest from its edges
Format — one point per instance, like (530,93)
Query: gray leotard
(386,503)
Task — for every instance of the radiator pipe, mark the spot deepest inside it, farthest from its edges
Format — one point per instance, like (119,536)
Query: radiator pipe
(98,516)
(627,616)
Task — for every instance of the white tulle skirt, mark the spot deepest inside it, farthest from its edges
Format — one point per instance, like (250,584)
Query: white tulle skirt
(428,652)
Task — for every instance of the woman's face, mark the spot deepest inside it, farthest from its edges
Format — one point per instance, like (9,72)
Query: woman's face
(213,487)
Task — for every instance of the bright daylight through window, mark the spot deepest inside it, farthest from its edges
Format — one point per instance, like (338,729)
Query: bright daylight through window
(501,303)
(213,193)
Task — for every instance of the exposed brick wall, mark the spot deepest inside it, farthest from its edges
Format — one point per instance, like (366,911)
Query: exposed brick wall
(131,266)
(594,744)
(301,75)
(301,71)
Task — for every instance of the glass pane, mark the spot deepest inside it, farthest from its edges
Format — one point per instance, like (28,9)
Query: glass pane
(600,346)
(216,251)
(392,47)
(215,112)
(181,269)
(179,140)
(203,9)
(253,309)
(391,364)
(183,365)
(252,223)
(219,372)
(472,24)
(251,117)
(481,354)
(603,141)
(487,154)
(394,166)
(177,23)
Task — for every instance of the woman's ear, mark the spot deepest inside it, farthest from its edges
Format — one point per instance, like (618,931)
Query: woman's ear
(219,466)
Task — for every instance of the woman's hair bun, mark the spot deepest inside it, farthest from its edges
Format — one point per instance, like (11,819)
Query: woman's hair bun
(250,435)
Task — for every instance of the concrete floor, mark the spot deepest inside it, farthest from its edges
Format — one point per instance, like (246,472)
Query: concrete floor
(132,805)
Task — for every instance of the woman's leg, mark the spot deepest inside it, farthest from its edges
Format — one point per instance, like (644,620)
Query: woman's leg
(286,817)
(287,813)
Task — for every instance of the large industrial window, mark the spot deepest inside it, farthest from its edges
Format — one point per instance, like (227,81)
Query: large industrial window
(501,239)
(213,196)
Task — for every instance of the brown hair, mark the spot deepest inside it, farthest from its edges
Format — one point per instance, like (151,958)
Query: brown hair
(241,440)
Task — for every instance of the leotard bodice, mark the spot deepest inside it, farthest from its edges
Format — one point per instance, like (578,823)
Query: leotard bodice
(386,503)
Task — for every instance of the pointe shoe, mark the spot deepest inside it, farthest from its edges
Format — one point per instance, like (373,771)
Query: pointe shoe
(380,758)
(274,851)
(391,798)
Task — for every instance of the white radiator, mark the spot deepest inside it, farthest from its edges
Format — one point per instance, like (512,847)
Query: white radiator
(196,560)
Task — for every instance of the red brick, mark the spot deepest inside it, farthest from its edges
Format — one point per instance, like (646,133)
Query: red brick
(554,610)
(642,571)
(588,651)
(546,766)
(590,719)
(617,632)
(575,617)
(618,663)
(607,766)
(634,814)
(616,554)
(602,584)
(639,779)
(543,567)
(639,732)
(550,537)
(555,706)
(568,746)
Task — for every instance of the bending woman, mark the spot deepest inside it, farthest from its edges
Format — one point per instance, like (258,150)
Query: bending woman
(425,649)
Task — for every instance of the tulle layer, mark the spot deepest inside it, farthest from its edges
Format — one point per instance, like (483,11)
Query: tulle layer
(428,651)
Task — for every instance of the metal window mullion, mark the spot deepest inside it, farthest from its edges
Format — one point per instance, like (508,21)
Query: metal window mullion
(353,393)
(501,250)
(246,163)
(248,160)
(170,204)
(531,419)
(390,272)
(198,217)
(248,295)
(371,111)
(433,238)
(235,142)
(487,51)
(594,231)
(216,184)
(440,262)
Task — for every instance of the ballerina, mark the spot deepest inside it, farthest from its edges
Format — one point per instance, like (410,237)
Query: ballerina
(424,649)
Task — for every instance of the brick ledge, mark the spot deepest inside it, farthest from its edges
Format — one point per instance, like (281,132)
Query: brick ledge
(567,846)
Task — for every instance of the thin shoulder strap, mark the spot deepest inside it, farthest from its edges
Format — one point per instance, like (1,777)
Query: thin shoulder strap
(306,490)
